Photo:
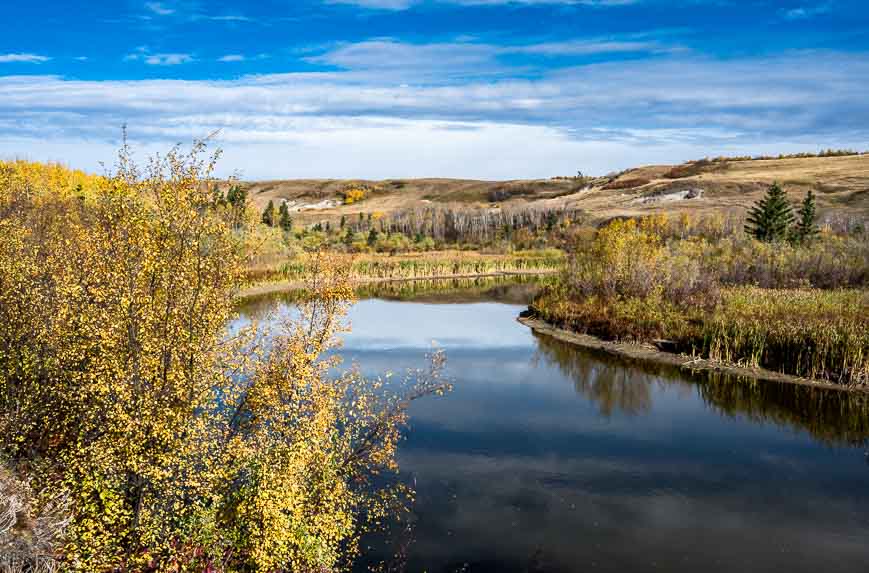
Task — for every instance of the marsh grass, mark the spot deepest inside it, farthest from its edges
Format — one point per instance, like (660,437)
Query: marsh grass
(420,265)
(807,332)
(803,332)
(732,300)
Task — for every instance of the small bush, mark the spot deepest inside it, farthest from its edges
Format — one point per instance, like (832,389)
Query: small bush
(627,183)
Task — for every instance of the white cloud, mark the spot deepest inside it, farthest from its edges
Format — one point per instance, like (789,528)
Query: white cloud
(159,8)
(232,58)
(23,58)
(460,59)
(809,11)
(143,54)
(412,121)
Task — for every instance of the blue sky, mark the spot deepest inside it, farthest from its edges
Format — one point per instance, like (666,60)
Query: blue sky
(409,88)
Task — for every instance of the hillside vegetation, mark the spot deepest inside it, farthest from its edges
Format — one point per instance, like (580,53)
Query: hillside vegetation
(841,183)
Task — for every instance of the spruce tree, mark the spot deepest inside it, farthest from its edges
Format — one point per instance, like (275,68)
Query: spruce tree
(771,217)
(269,214)
(805,229)
(284,219)
(372,237)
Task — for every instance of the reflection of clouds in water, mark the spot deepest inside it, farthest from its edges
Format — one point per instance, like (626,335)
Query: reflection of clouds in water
(545,458)
(506,508)
(416,325)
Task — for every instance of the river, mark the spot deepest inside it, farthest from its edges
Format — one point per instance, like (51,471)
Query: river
(549,458)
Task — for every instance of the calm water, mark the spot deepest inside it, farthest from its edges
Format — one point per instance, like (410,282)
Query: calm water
(547,458)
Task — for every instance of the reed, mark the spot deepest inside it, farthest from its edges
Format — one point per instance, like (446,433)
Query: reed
(807,332)
(799,310)
(421,265)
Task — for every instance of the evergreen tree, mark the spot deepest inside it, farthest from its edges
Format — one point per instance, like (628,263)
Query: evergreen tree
(551,220)
(343,221)
(771,217)
(269,214)
(805,229)
(372,237)
(284,219)
(237,199)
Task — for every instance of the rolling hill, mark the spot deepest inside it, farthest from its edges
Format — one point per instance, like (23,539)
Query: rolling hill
(841,184)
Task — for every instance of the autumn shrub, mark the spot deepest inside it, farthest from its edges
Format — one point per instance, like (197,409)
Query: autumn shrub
(629,258)
(831,261)
(353,195)
(179,445)
(736,300)
(629,183)
(689,169)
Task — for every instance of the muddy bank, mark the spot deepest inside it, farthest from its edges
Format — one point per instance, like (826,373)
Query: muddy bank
(649,353)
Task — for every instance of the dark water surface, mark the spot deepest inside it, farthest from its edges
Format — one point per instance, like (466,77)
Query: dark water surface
(548,458)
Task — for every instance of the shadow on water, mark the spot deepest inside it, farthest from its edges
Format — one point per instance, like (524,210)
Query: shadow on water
(834,417)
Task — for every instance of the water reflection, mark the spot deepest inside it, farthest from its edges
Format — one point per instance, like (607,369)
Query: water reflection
(546,458)
(829,416)
(507,289)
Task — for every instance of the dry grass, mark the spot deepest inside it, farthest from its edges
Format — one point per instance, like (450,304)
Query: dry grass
(639,281)
(420,265)
(841,183)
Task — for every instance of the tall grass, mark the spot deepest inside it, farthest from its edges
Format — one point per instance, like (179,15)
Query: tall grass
(422,265)
(723,299)
(809,332)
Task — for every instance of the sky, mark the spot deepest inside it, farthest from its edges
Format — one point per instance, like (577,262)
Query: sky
(488,89)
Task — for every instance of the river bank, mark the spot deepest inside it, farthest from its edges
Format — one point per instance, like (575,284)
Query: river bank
(287,286)
(650,353)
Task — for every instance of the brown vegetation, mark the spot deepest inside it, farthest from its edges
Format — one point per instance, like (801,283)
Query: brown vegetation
(840,180)
(654,278)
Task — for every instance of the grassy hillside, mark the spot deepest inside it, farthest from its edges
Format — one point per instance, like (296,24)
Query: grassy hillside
(841,184)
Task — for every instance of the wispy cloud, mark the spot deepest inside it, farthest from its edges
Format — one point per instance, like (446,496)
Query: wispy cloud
(159,8)
(405,4)
(808,12)
(468,58)
(232,58)
(160,59)
(648,110)
(23,58)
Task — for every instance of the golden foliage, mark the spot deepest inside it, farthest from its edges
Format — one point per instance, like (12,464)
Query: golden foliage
(180,445)
(638,280)
(353,195)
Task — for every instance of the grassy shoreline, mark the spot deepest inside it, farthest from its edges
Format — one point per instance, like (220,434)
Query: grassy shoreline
(286,286)
(437,265)
(647,352)
(806,333)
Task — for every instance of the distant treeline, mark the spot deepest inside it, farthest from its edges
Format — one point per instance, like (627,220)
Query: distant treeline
(804,155)
(455,224)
